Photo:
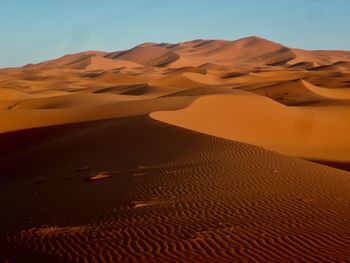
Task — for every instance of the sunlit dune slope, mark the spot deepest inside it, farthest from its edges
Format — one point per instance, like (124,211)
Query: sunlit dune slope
(314,132)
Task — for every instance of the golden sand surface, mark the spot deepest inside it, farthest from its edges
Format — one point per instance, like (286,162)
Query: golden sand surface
(188,152)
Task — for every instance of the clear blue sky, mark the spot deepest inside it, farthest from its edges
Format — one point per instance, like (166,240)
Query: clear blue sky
(36,30)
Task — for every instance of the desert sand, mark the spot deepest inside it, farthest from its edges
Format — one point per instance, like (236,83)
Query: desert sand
(187,152)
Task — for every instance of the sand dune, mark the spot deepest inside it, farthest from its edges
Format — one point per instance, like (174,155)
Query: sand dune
(170,195)
(245,50)
(81,108)
(87,176)
(320,57)
(12,94)
(148,55)
(92,85)
(177,80)
(70,88)
(341,94)
(73,61)
(97,63)
(250,50)
(86,60)
(296,92)
(307,132)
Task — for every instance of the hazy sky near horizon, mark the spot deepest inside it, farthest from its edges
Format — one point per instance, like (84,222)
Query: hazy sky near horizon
(35,30)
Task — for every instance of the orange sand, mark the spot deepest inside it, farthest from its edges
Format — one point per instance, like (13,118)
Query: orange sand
(177,153)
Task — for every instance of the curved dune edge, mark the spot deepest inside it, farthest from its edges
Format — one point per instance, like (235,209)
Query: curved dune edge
(172,196)
(318,133)
(300,92)
(341,94)
(290,93)
(79,108)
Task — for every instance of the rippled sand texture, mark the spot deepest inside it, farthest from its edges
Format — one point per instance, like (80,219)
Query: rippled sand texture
(168,194)
(177,153)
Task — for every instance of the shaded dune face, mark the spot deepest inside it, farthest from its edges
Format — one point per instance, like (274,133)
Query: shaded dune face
(160,193)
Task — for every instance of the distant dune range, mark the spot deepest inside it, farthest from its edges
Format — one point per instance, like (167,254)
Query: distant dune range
(177,152)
